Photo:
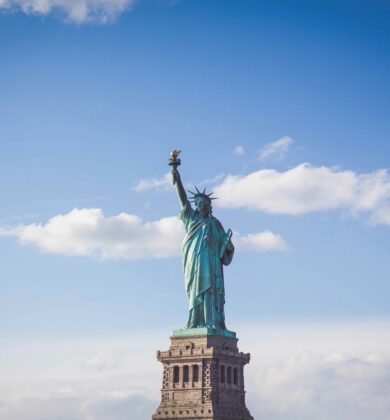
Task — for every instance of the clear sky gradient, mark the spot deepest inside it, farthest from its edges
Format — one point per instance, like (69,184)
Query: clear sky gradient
(88,109)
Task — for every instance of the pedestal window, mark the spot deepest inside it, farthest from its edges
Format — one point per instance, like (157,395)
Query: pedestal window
(176,374)
(222,374)
(195,373)
(186,373)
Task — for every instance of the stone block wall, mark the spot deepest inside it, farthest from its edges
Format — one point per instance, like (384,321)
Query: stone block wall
(203,378)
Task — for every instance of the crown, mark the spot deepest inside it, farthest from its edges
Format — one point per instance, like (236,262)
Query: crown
(199,194)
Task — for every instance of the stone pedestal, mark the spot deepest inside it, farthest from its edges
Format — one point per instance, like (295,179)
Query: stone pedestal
(203,378)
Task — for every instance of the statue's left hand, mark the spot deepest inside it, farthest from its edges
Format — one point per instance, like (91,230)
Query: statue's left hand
(230,246)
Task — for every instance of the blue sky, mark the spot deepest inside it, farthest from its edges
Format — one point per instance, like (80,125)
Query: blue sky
(92,103)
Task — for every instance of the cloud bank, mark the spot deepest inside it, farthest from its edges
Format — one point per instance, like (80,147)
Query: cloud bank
(303,386)
(88,232)
(304,370)
(307,188)
(334,386)
(77,11)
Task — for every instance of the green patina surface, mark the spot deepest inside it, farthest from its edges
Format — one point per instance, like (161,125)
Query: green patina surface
(206,249)
(188,332)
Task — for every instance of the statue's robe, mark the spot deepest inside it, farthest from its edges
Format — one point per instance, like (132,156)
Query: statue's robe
(203,269)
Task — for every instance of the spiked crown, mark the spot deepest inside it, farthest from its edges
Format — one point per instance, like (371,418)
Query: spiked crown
(201,195)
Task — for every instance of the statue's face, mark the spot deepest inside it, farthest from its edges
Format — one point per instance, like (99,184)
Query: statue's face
(203,206)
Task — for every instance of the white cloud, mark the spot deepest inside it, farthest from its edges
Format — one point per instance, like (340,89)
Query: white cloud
(163,183)
(308,188)
(261,242)
(239,150)
(276,150)
(78,11)
(88,232)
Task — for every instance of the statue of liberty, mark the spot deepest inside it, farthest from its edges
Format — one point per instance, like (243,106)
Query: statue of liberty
(206,249)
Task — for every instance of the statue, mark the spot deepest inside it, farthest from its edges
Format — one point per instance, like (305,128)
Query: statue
(206,249)
(203,373)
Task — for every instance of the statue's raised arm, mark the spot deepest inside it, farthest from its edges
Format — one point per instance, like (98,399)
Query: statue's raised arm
(174,162)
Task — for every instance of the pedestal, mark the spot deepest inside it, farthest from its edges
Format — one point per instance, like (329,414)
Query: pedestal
(203,377)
